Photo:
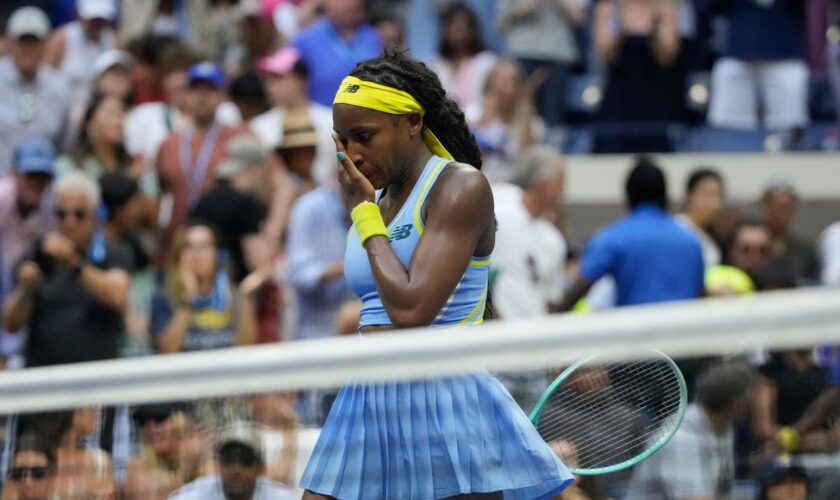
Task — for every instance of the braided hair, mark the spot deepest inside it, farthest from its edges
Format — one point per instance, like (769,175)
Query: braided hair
(443,117)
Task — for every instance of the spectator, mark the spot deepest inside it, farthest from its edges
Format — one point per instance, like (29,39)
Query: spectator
(298,150)
(778,206)
(187,160)
(171,452)
(201,309)
(463,62)
(315,259)
(391,31)
(638,43)
(31,473)
(148,124)
(73,47)
(186,21)
(542,35)
(750,249)
(257,34)
(275,415)
(248,95)
(341,37)
(506,122)
(782,481)
(82,471)
(234,208)
(112,75)
(829,255)
(71,289)
(530,251)
(786,385)
(762,64)
(100,147)
(149,69)
(25,213)
(125,208)
(241,473)
(24,209)
(832,49)
(315,272)
(286,77)
(815,416)
(699,461)
(36,102)
(651,257)
(703,202)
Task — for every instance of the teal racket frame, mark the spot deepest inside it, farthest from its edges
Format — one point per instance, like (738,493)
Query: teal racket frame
(651,449)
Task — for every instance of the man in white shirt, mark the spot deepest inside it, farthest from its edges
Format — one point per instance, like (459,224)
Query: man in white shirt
(286,76)
(241,469)
(698,463)
(148,125)
(530,251)
(529,258)
(34,98)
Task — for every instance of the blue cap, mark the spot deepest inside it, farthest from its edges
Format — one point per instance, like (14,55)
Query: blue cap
(206,72)
(35,156)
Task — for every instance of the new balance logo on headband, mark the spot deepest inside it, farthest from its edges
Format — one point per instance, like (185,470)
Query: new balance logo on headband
(352,88)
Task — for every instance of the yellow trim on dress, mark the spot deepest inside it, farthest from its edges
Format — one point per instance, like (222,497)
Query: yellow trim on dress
(479,306)
(422,196)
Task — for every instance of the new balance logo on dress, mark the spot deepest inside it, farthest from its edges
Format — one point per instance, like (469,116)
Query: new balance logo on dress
(400,233)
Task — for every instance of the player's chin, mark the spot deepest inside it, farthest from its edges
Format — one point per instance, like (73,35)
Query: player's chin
(374,178)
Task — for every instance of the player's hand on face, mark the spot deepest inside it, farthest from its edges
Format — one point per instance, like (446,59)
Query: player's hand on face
(357,188)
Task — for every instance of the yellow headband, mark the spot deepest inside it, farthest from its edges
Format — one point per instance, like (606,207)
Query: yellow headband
(389,100)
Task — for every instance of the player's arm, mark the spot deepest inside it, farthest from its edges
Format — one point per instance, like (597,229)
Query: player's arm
(459,212)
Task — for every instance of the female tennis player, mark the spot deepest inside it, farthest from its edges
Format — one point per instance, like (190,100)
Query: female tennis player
(417,255)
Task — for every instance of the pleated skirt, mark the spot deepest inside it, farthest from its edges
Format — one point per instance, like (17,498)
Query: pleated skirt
(429,440)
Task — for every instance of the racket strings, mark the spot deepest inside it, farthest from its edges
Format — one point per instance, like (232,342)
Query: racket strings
(610,414)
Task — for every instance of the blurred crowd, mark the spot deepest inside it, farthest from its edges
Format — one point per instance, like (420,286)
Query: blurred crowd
(168,184)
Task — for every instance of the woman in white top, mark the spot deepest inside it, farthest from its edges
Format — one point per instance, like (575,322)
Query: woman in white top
(506,121)
(463,63)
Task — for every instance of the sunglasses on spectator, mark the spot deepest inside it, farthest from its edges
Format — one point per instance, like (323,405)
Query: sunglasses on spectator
(18,473)
(157,418)
(753,249)
(62,214)
(238,455)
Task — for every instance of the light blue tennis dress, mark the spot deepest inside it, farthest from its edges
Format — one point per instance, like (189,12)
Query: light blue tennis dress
(428,439)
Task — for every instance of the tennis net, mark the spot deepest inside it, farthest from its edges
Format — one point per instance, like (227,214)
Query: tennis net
(192,400)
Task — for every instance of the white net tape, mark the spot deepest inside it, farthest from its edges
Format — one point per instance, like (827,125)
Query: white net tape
(715,326)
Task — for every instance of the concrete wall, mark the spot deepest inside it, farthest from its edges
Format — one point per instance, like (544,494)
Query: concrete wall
(595,185)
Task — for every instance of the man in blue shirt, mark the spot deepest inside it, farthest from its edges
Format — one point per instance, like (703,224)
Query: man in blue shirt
(333,45)
(651,257)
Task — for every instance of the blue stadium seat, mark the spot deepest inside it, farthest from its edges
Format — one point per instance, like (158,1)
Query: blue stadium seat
(578,141)
(719,140)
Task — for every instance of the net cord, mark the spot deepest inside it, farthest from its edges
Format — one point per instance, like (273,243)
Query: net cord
(785,319)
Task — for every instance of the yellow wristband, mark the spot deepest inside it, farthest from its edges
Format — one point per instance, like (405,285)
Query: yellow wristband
(368,221)
(789,439)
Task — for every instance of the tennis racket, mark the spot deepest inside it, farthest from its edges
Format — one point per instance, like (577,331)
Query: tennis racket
(603,417)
